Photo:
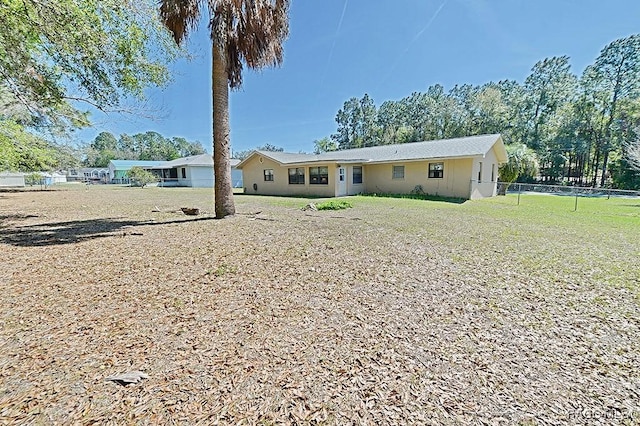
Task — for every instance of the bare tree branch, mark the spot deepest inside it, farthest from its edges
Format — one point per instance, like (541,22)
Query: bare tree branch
(632,154)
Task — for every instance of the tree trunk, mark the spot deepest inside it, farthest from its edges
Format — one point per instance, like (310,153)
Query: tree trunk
(595,165)
(605,160)
(224,205)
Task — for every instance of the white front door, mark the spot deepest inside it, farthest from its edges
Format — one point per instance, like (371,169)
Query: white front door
(342,181)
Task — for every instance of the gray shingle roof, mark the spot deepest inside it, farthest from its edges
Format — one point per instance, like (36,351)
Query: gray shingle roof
(128,164)
(445,148)
(203,160)
(194,160)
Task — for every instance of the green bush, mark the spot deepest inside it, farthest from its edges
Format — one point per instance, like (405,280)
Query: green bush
(334,205)
(34,179)
(140,176)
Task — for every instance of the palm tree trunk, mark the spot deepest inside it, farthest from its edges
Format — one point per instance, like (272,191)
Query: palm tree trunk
(224,205)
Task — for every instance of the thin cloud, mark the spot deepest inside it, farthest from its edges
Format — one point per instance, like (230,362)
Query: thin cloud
(333,45)
(413,40)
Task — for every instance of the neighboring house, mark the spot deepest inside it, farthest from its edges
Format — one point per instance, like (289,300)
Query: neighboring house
(118,169)
(11,180)
(462,167)
(89,174)
(51,178)
(195,171)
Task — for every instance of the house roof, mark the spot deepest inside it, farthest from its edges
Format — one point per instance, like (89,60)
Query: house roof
(471,146)
(128,164)
(194,160)
(202,160)
(198,160)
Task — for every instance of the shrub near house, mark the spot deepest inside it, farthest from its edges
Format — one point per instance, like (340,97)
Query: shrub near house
(141,177)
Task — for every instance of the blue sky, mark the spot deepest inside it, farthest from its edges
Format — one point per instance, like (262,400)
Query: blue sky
(338,49)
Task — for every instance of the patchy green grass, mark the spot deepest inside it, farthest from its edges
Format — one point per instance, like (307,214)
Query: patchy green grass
(541,232)
(418,196)
(334,205)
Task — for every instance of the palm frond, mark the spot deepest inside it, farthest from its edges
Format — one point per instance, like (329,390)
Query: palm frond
(249,31)
(180,16)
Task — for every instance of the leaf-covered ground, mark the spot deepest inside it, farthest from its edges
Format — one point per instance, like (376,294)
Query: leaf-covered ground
(391,312)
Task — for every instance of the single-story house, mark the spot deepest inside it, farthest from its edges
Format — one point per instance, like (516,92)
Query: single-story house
(88,174)
(194,171)
(197,171)
(461,167)
(118,169)
(51,178)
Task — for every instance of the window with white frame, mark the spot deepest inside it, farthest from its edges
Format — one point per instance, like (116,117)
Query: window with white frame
(268,175)
(398,172)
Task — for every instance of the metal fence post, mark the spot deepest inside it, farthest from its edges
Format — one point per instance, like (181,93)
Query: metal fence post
(519,189)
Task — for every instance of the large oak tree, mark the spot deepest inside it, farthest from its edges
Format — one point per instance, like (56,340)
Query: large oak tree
(94,51)
(59,56)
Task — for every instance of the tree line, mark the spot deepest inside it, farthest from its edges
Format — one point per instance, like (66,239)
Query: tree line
(147,146)
(582,128)
(23,151)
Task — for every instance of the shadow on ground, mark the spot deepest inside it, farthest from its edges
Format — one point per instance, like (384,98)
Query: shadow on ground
(14,217)
(70,232)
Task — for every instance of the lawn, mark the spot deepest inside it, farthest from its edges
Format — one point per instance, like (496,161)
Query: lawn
(394,311)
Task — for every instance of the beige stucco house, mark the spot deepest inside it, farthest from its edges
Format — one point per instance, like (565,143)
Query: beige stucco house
(462,167)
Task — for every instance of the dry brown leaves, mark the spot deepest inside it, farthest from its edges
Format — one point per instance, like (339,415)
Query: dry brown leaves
(300,319)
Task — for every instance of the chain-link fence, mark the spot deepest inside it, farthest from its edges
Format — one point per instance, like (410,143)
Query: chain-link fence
(522,189)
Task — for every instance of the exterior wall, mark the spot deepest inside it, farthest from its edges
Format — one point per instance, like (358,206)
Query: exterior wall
(121,176)
(53,178)
(112,172)
(203,177)
(182,181)
(355,188)
(89,173)
(459,178)
(487,185)
(253,173)
(198,177)
(378,178)
(117,175)
(236,177)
